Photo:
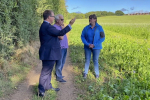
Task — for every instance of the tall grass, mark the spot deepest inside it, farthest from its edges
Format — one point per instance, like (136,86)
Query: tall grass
(124,59)
(137,30)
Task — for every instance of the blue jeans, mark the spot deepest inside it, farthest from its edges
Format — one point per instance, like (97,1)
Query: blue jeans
(95,53)
(60,63)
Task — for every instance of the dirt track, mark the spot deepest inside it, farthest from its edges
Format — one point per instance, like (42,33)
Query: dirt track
(25,90)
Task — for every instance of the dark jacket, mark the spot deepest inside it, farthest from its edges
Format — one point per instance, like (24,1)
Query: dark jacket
(50,46)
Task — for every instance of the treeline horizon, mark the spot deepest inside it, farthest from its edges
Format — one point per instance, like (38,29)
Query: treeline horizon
(98,14)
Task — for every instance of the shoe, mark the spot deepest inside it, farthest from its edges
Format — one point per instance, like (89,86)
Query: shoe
(55,89)
(41,94)
(84,75)
(59,77)
(61,80)
(97,76)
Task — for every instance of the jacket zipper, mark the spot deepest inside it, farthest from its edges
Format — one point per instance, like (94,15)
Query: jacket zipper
(94,34)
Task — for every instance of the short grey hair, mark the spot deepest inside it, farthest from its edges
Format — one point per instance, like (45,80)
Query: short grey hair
(57,17)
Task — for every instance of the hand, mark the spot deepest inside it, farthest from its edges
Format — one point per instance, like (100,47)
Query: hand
(62,26)
(60,37)
(72,21)
(91,46)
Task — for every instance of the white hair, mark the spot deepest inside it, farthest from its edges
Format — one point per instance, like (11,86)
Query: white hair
(57,17)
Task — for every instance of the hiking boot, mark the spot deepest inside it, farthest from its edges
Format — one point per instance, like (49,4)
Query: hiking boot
(97,76)
(61,80)
(84,75)
(55,89)
(41,94)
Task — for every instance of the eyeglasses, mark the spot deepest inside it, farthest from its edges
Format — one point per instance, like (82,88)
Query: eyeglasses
(52,16)
(62,19)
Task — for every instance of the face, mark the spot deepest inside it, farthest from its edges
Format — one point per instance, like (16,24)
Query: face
(51,18)
(92,20)
(61,20)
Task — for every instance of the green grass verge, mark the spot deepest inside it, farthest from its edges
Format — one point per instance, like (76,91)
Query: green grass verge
(124,62)
(14,71)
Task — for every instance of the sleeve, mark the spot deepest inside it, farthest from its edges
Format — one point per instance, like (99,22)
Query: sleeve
(102,37)
(83,37)
(54,32)
(70,26)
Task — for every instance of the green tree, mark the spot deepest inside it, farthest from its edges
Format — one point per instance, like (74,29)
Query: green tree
(77,15)
(99,13)
(119,13)
(110,13)
(20,20)
(104,13)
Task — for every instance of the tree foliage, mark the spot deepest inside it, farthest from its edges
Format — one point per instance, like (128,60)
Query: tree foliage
(119,13)
(20,20)
(77,15)
(86,15)
(18,25)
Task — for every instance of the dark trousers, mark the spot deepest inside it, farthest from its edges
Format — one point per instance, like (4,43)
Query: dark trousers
(45,77)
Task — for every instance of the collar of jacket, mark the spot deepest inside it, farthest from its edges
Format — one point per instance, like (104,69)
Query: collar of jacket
(95,25)
(46,22)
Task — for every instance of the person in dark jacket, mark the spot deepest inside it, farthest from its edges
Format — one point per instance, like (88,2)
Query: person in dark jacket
(92,37)
(50,50)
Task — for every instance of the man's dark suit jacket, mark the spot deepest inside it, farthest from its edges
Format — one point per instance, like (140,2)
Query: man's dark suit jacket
(50,46)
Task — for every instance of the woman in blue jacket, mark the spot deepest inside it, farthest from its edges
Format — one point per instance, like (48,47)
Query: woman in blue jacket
(92,37)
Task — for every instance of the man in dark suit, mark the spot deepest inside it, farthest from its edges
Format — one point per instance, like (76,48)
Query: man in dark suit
(50,49)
